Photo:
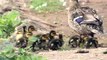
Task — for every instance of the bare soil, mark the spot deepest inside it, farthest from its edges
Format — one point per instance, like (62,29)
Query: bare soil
(94,54)
(59,19)
(62,27)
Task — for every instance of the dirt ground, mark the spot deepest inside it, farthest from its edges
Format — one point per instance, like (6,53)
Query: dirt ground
(61,19)
(94,54)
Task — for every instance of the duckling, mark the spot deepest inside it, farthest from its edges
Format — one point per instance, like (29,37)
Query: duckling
(21,39)
(56,43)
(52,34)
(92,42)
(74,41)
(31,28)
(41,43)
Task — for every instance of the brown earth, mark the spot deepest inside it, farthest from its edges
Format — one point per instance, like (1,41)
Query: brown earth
(94,54)
(59,19)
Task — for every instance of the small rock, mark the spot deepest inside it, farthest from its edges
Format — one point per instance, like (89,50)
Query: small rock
(82,51)
(105,52)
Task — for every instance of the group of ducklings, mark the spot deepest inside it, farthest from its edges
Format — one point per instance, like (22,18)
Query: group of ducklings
(83,41)
(50,40)
(53,40)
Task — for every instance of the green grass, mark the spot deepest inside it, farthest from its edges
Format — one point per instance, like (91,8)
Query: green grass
(8,22)
(9,52)
(46,5)
(21,54)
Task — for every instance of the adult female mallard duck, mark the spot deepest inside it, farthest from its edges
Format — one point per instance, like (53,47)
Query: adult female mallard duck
(84,20)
